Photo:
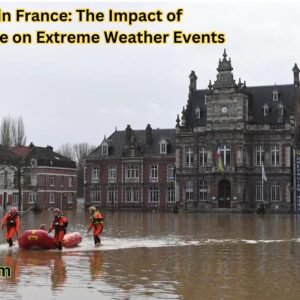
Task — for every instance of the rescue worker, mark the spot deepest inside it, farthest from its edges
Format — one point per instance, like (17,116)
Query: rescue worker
(59,225)
(96,222)
(12,222)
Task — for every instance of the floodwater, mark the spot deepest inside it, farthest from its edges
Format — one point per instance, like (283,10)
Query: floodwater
(162,256)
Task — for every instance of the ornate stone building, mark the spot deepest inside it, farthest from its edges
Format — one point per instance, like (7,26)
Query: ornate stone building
(252,127)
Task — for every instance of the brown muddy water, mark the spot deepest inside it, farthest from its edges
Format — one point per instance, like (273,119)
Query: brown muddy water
(162,256)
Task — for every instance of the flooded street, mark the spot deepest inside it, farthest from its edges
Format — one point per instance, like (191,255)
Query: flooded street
(162,256)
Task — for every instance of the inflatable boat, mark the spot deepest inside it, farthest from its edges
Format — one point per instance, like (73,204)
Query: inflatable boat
(40,239)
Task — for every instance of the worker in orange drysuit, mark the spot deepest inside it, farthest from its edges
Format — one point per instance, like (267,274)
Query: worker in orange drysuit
(59,224)
(12,222)
(96,222)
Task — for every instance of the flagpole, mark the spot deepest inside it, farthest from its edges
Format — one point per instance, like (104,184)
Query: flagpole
(262,184)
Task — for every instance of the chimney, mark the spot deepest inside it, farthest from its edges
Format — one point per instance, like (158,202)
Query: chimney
(296,75)
(148,135)
(49,147)
(193,82)
(128,133)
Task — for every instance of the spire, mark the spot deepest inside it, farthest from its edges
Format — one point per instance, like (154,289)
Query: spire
(296,75)
(224,77)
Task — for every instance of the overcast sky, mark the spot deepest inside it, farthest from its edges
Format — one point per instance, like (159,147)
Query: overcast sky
(81,93)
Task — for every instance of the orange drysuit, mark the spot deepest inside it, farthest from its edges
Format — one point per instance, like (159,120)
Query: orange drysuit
(59,224)
(12,223)
(96,222)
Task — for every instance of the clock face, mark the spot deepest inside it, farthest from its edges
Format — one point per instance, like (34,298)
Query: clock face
(224,109)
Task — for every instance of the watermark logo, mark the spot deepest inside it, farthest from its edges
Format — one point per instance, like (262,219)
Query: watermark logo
(5,272)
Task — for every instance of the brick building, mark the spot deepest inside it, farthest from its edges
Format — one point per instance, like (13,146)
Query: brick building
(132,169)
(48,179)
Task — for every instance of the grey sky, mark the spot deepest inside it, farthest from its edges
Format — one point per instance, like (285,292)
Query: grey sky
(81,93)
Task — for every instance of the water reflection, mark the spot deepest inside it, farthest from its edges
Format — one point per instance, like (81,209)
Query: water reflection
(164,256)
(96,264)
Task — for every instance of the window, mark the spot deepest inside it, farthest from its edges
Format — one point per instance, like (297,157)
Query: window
(70,198)
(260,155)
(154,172)
(275,155)
(154,194)
(259,191)
(62,181)
(189,158)
(15,199)
(275,191)
(112,173)
(198,113)
(95,174)
(70,181)
(52,181)
(202,157)
(132,194)
(171,194)
(205,99)
(52,198)
(171,172)
(265,110)
(225,155)
(112,194)
(163,148)
(32,198)
(132,172)
(189,190)
(275,95)
(203,190)
(104,149)
(95,194)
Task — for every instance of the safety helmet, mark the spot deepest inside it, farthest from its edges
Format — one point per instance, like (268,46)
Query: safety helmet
(57,212)
(92,209)
(13,210)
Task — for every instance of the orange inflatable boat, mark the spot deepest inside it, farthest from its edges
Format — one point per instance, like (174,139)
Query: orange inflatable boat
(39,239)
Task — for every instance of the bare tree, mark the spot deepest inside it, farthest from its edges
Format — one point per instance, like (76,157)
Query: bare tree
(78,153)
(67,151)
(12,132)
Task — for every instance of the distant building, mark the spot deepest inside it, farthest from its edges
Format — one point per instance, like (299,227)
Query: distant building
(252,127)
(132,169)
(48,180)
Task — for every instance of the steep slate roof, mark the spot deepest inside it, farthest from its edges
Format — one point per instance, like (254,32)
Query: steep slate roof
(45,156)
(118,143)
(258,97)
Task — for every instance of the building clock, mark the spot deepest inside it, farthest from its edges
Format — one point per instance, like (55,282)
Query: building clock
(224,109)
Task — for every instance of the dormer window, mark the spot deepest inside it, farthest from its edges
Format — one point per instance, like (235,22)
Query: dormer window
(198,113)
(266,110)
(104,149)
(275,95)
(163,147)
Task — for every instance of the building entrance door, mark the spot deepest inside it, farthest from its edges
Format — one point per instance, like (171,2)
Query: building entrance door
(224,194)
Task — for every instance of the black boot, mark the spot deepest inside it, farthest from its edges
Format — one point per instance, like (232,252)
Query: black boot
(95,240)
(98,239)
(59,245)
(10,242)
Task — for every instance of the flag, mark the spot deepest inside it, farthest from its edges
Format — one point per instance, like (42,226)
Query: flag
(219,160)
(263,173)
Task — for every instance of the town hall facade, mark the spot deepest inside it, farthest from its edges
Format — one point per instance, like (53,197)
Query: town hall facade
(252,127)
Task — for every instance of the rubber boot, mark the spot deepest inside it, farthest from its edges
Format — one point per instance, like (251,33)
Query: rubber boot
(10,242)
(59,245)
(99,241)
(95,240)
